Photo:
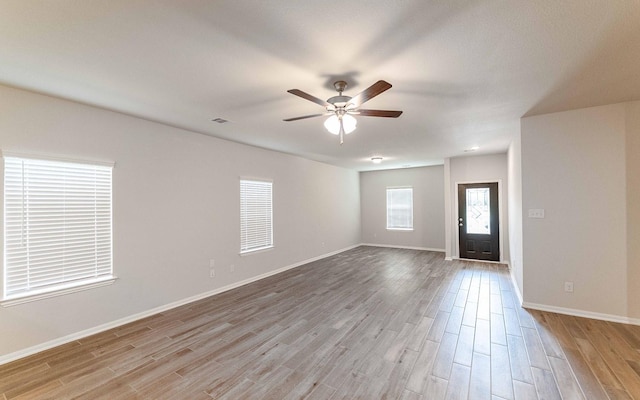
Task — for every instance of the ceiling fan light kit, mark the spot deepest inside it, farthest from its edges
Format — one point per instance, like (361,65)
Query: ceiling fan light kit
(347,121)
(341,109)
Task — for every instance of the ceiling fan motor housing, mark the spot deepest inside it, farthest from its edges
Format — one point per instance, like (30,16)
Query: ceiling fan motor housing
(340,100)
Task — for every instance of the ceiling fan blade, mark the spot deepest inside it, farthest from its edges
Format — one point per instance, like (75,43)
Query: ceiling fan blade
(304,117)
(370,92)
(379,113)
(309,97)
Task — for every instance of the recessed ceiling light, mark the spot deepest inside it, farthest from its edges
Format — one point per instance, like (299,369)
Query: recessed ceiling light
(376,160)
(220,120)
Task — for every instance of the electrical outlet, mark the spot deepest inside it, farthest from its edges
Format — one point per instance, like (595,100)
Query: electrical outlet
(212,273)
(568,287)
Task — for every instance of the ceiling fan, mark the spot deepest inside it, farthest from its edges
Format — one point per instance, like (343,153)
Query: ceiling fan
(341,109)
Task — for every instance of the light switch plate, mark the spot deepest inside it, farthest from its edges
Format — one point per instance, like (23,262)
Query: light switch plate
(536,213)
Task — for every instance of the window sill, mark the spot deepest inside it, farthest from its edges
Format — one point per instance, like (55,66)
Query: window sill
(400,229)
(58,291)
(254,251)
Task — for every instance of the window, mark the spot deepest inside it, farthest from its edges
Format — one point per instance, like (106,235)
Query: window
(57,227)
(400,208)
(479,210)
(256,215)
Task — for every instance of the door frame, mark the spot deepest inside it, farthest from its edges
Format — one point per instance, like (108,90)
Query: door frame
(456,244)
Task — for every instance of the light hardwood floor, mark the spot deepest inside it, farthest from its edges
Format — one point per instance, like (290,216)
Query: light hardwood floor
(369,323)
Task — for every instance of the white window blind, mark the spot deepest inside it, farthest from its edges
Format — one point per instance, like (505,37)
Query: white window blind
(400,208)
(256,215)
(57,225)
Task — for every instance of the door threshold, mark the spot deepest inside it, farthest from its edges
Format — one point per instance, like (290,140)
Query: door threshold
(482,261)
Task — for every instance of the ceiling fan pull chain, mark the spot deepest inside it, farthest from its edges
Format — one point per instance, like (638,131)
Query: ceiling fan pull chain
(341,132)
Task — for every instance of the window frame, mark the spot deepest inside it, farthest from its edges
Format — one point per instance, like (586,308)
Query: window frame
(61,286)
(249,248)
(398,228)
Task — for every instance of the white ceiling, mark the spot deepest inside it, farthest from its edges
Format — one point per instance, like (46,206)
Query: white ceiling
(463,72)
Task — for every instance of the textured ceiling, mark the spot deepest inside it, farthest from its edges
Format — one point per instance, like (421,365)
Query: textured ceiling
(463,72)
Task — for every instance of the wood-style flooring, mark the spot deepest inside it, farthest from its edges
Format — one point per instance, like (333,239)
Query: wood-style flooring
(369,323)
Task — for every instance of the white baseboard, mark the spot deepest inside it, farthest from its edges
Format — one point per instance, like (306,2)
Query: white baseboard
(582,313)
(402,247)
(144,314)
(516,288)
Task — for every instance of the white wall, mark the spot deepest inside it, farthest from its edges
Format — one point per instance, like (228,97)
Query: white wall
(428,207)
(514,166)
(176,205)
(632,143)
(573,167)
(484,168)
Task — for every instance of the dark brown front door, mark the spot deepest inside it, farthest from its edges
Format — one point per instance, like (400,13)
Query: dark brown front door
(478,221)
